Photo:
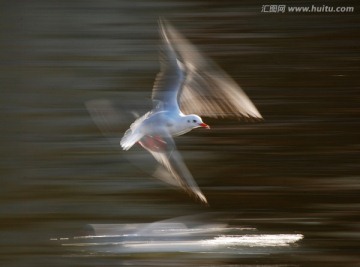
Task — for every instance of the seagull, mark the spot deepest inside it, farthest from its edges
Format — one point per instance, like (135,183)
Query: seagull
(188,86)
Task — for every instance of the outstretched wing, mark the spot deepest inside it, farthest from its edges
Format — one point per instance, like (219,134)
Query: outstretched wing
(108,119)
(170,78)
(164,151)
(112,122)
(208,90)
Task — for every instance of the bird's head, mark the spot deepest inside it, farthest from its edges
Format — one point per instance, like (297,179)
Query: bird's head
(195,121)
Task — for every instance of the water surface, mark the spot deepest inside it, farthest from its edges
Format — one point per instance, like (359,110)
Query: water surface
(295,173)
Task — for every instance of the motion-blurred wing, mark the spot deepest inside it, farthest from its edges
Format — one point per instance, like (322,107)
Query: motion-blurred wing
(165,152)
(171,169)
(208,90)
(112,122)
(107,118)
(170,78)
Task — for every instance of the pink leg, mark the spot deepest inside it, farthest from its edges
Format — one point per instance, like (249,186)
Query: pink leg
(153,143)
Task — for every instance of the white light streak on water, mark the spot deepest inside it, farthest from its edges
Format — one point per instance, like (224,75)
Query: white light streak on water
(256,240)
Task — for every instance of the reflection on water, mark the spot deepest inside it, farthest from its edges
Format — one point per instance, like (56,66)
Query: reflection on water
(295,173)
(184,234)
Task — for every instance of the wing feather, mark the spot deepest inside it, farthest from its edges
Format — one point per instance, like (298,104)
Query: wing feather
(208,90)
(170,79)
(171,159)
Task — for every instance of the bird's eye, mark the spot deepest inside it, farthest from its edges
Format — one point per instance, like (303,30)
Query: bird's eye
(194,120)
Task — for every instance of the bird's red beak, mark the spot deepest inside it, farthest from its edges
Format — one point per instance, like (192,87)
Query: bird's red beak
(204,125)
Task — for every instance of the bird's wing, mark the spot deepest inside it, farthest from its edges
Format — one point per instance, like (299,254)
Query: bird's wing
(164,151)
(170,79)
(171,168)
(208,90)
(112,122)
(109,120)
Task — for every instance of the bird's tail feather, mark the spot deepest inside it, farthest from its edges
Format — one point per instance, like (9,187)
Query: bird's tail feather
(130,138)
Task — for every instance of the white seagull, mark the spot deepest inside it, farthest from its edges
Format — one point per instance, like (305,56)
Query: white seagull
(188,86)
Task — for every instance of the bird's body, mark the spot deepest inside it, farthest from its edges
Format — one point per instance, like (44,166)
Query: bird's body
(156,123)
(187,82)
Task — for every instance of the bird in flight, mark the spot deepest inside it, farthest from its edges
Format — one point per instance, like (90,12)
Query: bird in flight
(188,86)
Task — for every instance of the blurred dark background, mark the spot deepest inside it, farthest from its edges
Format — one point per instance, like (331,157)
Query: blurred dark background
(296,172)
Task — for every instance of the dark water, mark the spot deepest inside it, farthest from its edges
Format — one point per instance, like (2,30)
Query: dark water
(295,173)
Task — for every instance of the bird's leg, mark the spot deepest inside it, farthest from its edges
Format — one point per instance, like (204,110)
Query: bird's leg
(153,143)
